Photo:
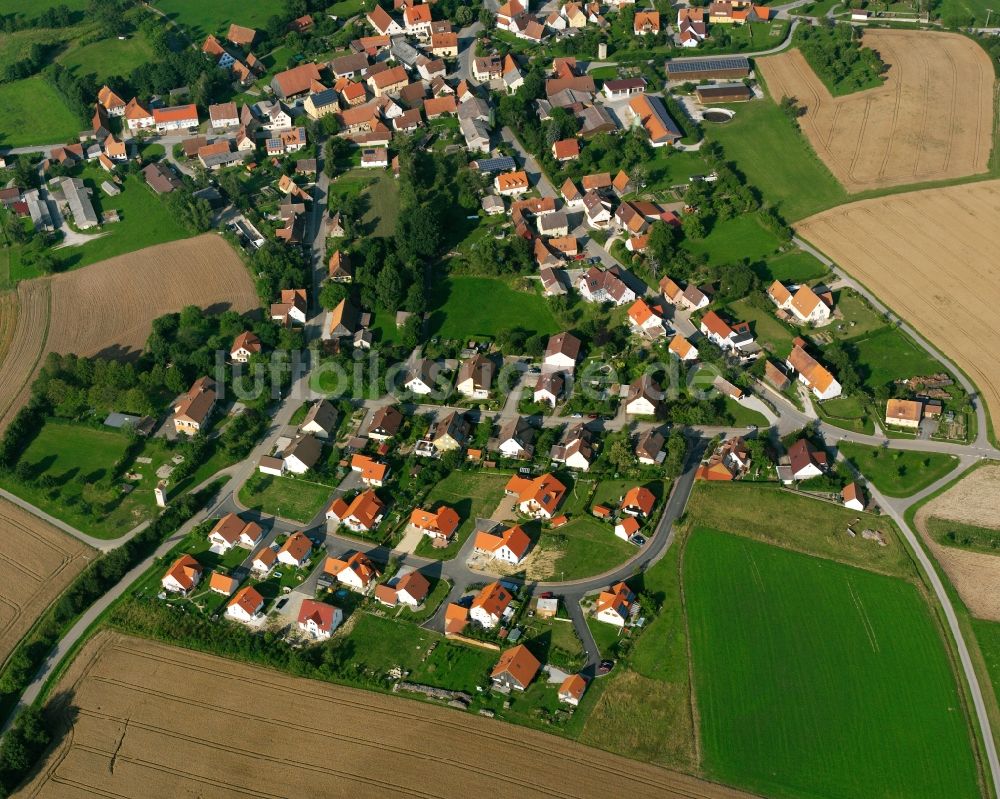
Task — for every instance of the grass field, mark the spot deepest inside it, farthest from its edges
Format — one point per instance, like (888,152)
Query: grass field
(846,412)
(383,209)
(479,307)
(966,12)
(34,113)
(888,354)
(789,520)
(201,18)
(79,459)
(770,333)
(456,667)
(108,57)
(805,679)
(761,127)
(290,498)
(791,267)
(898,473)
(743,416)
(735,239)
(145,221)
(472,494)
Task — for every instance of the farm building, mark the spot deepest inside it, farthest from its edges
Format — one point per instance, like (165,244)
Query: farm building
(711,68)
(730,93)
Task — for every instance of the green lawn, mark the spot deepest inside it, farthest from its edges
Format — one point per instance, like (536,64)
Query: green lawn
(380,644)
(669,167)
(554,641)
(348,8)
(742,416)
(456,667)
(770,333)
(79,460)
(805,679)
(201,18)
(108,57)
(898,473)
(289,497)
(859,318)
(472,494)
(765,512)
(847,412)
(735,239)
(795,266)
(889,354)
(383,204)
(145,221)
(966,12)
(34,113)
(760,127)
(479,307)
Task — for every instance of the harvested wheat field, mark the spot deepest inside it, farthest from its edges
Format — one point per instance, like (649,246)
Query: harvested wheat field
(974,500)
(154,720)
(37,562)
(108,307)
(931,120)
(930,256)
(21,357)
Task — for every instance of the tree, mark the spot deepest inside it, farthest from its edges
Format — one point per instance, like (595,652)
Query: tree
(673,464)
(389,288)
(332,294)
(620,454)
(463,16)
(693,226)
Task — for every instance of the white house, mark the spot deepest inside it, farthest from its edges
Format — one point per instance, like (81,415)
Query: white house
(245,606)
(231,531)
(508,545)
(264,561)
(321,420)
(182,576)
(295,551)
(491,605)
(422,378)
(562,352)
(302,454)
(615,606)
(804,304)
(357,572)
(318,619)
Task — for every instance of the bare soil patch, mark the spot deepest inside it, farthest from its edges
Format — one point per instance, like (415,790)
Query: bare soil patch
(931,120)
(152,720)
(108,308)
(37,561)
(975,500)
(931,257)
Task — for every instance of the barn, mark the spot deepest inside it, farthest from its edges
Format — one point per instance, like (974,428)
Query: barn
(684,69)
(729,93)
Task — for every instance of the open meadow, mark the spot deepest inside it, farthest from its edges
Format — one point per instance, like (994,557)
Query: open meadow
(35,113)
(931,120)
(960,527)
(120,298)
(480,307)
(815,678)
(930,256)
(143,718)
(37,562)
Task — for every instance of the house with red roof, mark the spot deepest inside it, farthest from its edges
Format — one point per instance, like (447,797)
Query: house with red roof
(319,619)
(515,670)
(615,605)
(183,575)
(246,606)
(506,544)
(491,605)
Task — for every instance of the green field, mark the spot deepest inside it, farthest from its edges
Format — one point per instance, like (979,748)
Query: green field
(79,460)
(793,521)
(818,679)
(742,416)
(145,221)
(896,472)
(290,498)
(479,307)
(964,536)
(960,13)
(889,354)
(108,57)
(456,667)
(770,333)
(846,412)
(795,266)
(472,494)
(760,127)
(201,18)
(735,239)
(382,196)
(34,113)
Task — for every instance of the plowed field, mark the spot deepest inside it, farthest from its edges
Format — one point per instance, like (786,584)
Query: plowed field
(931,120)
(931,256)
(108,308)
(152,720)
(37,562)
(974,500)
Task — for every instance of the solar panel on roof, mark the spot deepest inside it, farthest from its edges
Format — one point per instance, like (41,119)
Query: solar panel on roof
(708,64)
(496,164)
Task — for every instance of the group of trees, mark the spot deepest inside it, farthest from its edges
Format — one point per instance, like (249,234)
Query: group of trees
(835,53)
(277,267)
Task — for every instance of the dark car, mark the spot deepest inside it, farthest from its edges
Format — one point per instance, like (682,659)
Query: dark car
(605,666)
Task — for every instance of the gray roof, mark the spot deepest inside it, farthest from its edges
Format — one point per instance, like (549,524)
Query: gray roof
(502,164)
(707,65)
(78,197)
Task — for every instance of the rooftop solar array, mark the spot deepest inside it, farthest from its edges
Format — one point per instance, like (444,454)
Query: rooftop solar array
(707,65)
(504,164)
